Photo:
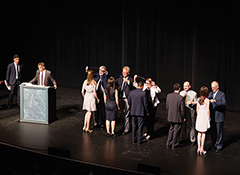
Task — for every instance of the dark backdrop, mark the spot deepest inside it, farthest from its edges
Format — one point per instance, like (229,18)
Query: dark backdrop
(167,41)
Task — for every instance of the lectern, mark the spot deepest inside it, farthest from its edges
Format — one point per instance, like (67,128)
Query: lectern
(37,103)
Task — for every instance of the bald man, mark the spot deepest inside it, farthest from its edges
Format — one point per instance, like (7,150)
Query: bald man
(190,112)
(217,112)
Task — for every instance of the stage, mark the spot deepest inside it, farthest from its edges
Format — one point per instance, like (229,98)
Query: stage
(118,153)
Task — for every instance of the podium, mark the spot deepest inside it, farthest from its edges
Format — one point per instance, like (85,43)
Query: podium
(37,103)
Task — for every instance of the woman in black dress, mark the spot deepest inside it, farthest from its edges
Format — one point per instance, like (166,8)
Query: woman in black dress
(111,106)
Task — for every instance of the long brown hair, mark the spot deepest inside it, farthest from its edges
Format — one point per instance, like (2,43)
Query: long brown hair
(203,94)
(110,84)
(90,75)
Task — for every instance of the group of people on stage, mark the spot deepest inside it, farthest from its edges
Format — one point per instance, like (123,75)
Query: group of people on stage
(14,78)
(202,113)
(139,100)
(105,95)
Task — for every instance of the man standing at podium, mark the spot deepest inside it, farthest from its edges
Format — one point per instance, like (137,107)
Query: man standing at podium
(14,79)
(43,76)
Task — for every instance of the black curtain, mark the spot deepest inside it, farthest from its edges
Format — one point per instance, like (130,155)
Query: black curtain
(165,40)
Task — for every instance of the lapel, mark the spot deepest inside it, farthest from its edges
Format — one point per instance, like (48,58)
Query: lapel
(45,79)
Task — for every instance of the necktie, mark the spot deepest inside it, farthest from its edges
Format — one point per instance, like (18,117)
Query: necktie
(42,78)
(124,86)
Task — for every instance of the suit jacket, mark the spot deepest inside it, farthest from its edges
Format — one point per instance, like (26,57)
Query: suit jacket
(128,88)
(192,95)
(104,79)
(137,101)
(11,74)
(218,108)
(175,107)
(48,81)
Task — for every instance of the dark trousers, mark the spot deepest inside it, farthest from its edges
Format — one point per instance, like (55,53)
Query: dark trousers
(100,114)
(137,123)
(124,113)
(188,127)
(150,120)
(173,134)
(14,89)
(217,134)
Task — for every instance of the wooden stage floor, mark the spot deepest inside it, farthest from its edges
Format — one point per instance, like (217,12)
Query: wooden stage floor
(96,148)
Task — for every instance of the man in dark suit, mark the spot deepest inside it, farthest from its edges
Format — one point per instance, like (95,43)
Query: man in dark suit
(101,79)
(217,112)
(175,109)
(137,101)
(124,85)
(43,77)
(14,79)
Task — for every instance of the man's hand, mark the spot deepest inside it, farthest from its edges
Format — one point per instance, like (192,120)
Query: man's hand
(126,80)
(212,101)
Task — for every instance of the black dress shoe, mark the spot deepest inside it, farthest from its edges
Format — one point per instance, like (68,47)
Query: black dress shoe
(125,133)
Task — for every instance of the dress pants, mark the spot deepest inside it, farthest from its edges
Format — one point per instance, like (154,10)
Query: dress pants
(173,134)
(124,112)
(150,120)
(100,114)
(217,134)
(14,88)
(137,123)
(188,128)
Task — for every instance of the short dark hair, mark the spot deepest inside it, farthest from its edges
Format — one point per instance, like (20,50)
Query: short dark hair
(176,86)
(15,56)
(140,84)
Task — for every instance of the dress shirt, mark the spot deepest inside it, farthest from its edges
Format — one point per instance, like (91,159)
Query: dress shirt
(124,95)
(17,69)
(44,73)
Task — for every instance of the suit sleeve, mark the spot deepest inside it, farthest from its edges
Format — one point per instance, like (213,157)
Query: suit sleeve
(182,107)
(167,104)
(220,103)
(129,99)
(8,73)
(145,102)
(195,99)
(52,79)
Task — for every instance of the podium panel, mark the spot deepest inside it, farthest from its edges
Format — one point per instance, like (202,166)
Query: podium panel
(37,104)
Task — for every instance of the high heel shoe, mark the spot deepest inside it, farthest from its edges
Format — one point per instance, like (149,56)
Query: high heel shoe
(89,131)
(84,130)
(204,152)
(198,151)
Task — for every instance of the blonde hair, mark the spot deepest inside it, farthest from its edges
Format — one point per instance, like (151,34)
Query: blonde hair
(90,75)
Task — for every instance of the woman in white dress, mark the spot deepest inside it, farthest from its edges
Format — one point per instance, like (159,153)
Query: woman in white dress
(203,119)
(89,103)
